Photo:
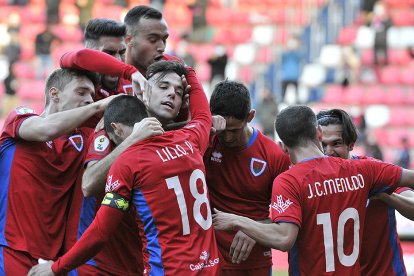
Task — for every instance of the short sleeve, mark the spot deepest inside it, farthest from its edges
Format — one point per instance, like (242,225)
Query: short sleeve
(14,121)
(385,176)
(120,179)
(286,206)
(99,146)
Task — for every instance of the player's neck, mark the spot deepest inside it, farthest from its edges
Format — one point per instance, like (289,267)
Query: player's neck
(299,154)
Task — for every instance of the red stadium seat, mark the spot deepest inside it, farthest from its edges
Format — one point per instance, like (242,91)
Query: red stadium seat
(395,95)
(241,35)
(353,95)
(381,136)
(333,94)
(407,76)
(400,57)
(24,70)
(390,75)
(347,35)
(367,57)
(402,17)
(201,52)
(374,94)
(31,90)
(203,71)
(397,117)
(32,14)
(245,74)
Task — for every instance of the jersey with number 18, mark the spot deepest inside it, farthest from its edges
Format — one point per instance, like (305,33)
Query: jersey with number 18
(326,197)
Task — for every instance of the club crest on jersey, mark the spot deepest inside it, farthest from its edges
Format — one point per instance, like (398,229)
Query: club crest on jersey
(101,143)
(216,156)
(24,110)
(281,205)
(257,166)
(77,141)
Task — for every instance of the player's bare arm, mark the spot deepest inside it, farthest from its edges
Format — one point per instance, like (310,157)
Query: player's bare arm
(242,244)
(93,180)
(43,129)
(281,236)
(403,202)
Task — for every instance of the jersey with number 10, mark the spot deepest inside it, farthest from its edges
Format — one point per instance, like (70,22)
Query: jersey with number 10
(326,198)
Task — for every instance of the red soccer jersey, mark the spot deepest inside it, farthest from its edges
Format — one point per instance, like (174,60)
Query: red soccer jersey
(385,257)
(172,204)
(240,182)
(38,182)
(326,198)
(122,254)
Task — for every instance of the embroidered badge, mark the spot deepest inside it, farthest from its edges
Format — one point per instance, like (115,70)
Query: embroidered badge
(257,166)
(77,141)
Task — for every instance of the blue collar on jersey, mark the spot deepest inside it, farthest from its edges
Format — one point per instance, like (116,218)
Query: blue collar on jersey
(354,157)
(312,158)
(253,138)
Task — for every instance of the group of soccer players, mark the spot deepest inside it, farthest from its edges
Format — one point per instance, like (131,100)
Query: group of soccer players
(162,187)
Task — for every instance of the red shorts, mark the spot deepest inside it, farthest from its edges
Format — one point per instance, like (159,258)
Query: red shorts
(15,262)
(261,271)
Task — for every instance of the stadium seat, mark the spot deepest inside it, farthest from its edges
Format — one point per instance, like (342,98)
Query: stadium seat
(402,17)
(31,90)
(32,14)
(353,95)
(245,74)
(407,75)
(333,94)
(390,75)
(241,35)
(24,70)
(395,95)
(397,117)
(373,94)
(203,71)
(399,56)
(331,56)
(313,75)
(347,36)
(364,38)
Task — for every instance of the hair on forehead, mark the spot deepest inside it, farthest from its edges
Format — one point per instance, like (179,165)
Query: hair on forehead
(231,99)
(135,14)
(165,67)
(61,77)
(339,117)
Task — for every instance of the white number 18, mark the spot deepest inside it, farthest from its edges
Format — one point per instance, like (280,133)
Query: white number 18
(174,183)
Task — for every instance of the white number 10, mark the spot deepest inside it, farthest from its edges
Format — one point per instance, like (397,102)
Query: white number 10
(174,183)
(325,220)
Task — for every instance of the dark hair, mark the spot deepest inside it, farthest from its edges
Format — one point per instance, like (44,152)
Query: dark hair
(231,99)
(164,67)
(134,15)
(339,117)
(61,77)
(98,27)
(296,125)
(124,109)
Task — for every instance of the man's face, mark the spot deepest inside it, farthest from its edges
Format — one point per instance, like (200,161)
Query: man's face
(332,142)
(147,45)
(114,46)
(165,99)
(235,134)
(78,92)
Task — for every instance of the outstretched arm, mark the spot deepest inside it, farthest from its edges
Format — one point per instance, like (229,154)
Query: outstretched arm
(105,223)
(47,128)
(281,236)
(403,202)
(97,61)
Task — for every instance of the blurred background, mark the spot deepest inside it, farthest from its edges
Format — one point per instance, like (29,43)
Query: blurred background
(357,55)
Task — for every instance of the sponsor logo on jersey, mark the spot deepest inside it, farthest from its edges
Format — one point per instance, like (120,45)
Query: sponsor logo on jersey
(101,143)
(110,186)
(49,144)
(116,201)
(257,166)
(77,141)
(24,110)
(216,156)
(281,205)
(205,262)
(267,253)
(128,89)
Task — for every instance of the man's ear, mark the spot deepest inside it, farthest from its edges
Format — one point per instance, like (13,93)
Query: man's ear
(128,40)
(283,147)
(54,94)
(351,146)
(319,133)
(251,115)
(117,130)
(186,101)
